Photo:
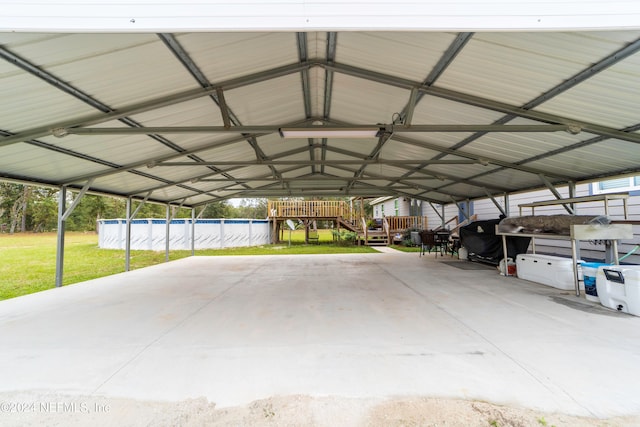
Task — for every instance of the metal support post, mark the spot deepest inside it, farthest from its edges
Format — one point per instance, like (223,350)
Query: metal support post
(167,231)
(127,239)
(507,211)
(193,231)
(574,209)
(62,205)
(505,255)
(574,258)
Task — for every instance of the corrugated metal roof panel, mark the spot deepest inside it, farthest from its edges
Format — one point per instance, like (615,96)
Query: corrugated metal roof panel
(29,161)
(433,110)
(361,101)
(35,103)
(517,69)
(403,54)
(333,171)
(126,183)
(396,150)
(276,101)
(273,144)
(458,171)
(238,151)
(508,178)
(317,80)
(431,140)
(201,111)
(609,98)
(223,56)
(360,147)
(516,147)
(120,150)
(594,160)
(116,69)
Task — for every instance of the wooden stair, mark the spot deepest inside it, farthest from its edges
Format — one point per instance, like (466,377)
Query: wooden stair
(373,237)
(348,225)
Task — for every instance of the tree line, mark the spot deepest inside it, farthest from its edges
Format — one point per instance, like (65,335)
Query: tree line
(27,208)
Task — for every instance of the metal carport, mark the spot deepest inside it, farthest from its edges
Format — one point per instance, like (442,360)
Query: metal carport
(184,106)
(144,109)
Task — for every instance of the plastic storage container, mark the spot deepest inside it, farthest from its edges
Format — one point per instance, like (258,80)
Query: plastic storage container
(511,267)
(619,287)
(589,272)
(547,269)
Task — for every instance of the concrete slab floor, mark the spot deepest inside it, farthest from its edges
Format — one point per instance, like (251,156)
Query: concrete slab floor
(237,329)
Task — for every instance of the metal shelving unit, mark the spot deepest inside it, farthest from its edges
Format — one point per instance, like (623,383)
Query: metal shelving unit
(578,232)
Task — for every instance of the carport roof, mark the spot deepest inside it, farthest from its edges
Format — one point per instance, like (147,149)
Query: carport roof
(194,117)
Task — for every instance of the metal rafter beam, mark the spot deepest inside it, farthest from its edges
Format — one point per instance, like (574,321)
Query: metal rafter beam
(200,177)
(298,192)
(422,187)
(125,168)
(377,161)
(332,43)
(481,159)
(439,175)
(407,112)
(75,92)
(301,192)
(319,178)
(341,68)
(228,117)
(153,130)
(253,192)
(160,102)
(571,147)
(578,78)
(556,193)
(478,101)
(298,165)
(232,183)
(115,166)
(445,60)
(52,80)
(301,39)
(67,88)
(496,204)
(224,108)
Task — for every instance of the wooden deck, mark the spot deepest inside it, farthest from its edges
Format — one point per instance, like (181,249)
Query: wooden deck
(317,209)
(343,216)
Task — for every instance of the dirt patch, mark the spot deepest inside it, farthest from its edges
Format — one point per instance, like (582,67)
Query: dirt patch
(58,410)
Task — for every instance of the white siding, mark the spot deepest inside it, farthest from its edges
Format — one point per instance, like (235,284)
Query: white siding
(433,218)
(388,207)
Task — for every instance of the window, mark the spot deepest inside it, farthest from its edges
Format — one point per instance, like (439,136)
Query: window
(617,185)
(396,206)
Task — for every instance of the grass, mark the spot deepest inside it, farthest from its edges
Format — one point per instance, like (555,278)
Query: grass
(29,260)
(402,248)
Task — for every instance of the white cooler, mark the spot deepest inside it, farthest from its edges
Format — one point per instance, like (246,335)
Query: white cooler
(619,287)
(547,269)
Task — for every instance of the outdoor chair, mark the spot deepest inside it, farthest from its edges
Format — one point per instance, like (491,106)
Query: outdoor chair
(428,241)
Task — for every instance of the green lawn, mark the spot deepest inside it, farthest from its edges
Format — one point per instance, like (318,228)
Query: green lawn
(29,260)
